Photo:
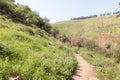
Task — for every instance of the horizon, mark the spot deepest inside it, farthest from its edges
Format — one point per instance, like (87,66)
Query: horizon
(56,10)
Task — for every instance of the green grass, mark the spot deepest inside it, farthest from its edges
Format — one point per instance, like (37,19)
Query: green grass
(32,54)
(90,28)
(106,67)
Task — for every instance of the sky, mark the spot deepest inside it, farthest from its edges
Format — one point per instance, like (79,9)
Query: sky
(60,10)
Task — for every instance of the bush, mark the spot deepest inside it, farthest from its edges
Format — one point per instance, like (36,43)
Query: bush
(42,33)
(47,28)
(30,31)
(65,39)
(4,51)
(90,44)
(23,14)
(8,54)
(55,33)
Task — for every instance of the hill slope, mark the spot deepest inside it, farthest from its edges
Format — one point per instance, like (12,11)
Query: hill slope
(98,42)
(90,27)
(31,54)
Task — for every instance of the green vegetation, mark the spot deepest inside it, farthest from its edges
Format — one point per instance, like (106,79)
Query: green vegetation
(98,40)
(28,49)
(23,14)
(90,28)
(106,67)
(32,54)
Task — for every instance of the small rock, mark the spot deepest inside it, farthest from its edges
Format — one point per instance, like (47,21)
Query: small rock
(14,78)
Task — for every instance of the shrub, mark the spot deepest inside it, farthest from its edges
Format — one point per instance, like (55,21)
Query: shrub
(65,39)
(8,54)
(55,33)
(47,28)
(23,14)
(90,44)
(42,33)
(4,50)
(30,31)
(39,32)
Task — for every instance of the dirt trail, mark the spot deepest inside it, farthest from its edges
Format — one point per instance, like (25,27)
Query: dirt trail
(84,70)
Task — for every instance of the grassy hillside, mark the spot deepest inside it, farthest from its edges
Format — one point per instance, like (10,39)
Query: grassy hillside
(90,28)
(31,54)
(106,67)
(99,42)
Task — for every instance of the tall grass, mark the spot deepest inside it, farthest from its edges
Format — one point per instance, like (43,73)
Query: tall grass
(106,67)
(31,54)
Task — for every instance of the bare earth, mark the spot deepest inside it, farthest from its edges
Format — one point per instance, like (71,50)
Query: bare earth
(84,70)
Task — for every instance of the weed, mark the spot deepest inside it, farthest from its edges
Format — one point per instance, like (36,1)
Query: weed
(33,57)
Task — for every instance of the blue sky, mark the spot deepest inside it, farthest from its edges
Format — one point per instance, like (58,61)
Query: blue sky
(60,10)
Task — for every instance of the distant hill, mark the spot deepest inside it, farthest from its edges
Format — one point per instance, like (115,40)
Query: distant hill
(90,28)
(92,16)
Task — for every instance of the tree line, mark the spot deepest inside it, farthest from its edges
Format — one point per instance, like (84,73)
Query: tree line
(92,16)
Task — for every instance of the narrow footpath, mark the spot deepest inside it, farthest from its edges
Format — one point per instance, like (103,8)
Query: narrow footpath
(84,70)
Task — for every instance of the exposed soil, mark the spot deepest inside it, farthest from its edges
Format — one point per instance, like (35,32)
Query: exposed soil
(84,70)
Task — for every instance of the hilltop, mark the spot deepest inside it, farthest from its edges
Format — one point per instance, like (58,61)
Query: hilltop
(90,27)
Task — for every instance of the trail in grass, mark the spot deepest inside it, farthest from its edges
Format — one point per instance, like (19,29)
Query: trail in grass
(84,70)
